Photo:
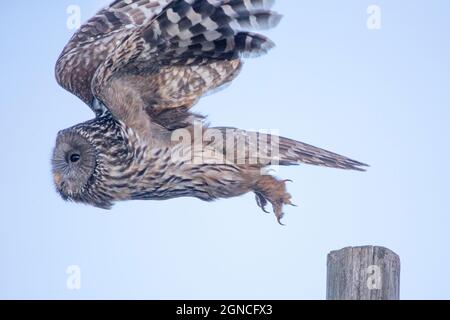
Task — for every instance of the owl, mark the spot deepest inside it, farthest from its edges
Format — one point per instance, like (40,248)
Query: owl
(141,65)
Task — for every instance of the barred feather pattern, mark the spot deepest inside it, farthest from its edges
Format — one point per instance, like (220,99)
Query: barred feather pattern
(192,31)
(146,30)
(141,65)
(191,48)
(97,39)
(129,169)
(265,149)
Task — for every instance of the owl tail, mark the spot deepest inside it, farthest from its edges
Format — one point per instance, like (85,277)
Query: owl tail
(270,149)
(294,152)
(191,31)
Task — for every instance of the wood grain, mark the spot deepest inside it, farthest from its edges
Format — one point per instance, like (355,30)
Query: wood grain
(363,273)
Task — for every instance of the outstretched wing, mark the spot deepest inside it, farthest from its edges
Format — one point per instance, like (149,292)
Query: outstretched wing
(97,39)
(191,47)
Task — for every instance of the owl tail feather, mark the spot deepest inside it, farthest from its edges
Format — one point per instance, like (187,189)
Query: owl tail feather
(294,152)
(270,149)
(192,31)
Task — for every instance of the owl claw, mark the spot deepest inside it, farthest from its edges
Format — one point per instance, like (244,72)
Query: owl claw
(262,202)
(268,189)
(289,203)
(278,210)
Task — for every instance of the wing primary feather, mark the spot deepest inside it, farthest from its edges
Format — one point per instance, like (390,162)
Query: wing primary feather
(200,30)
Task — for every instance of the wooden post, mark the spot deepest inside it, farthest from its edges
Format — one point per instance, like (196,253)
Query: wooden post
(363,273)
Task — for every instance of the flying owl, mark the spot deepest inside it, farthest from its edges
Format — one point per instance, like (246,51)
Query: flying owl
(141,65)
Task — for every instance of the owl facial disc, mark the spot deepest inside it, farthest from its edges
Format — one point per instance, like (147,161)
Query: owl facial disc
(73,164)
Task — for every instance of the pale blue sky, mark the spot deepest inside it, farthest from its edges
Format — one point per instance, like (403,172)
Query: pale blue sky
(381,97)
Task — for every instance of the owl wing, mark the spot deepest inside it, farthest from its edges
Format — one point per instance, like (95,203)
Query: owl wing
(161,69)
(97,39)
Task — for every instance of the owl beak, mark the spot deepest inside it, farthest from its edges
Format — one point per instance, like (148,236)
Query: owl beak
(57,179)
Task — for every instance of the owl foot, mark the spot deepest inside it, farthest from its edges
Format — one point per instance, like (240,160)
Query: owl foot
(268,189)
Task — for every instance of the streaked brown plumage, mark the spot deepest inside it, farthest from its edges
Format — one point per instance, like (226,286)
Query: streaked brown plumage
(141,65)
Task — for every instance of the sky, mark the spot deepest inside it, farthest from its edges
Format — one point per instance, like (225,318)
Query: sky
(378,95)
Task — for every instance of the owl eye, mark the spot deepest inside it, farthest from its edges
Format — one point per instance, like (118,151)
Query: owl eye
(74,157)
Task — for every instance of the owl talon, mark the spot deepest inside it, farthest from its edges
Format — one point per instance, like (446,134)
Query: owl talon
(268,189)
(262,202)
(289,203)
(277,208)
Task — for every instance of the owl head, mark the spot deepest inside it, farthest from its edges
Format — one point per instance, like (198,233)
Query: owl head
(73,164)
(85,159)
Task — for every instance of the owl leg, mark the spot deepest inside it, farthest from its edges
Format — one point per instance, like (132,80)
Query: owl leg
(269,189)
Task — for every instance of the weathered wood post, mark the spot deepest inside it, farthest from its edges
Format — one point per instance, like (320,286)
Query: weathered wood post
(363,273)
